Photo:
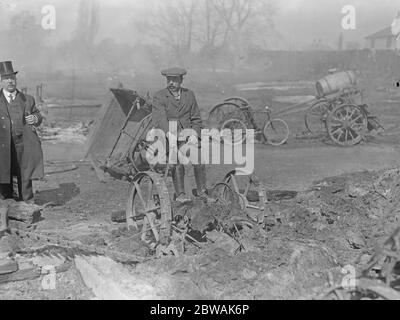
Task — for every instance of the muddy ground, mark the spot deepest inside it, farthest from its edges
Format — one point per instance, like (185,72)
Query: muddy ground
(335,218)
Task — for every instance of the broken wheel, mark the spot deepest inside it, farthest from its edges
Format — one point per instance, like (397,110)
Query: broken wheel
(248,188)
(226,196)
(149,204)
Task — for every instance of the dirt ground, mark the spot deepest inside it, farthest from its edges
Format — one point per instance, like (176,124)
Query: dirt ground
(335,220)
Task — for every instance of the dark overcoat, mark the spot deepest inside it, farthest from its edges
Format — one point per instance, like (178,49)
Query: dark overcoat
(32,156)
(185,111)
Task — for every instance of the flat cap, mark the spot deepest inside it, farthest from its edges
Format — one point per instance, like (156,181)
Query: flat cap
(173,72)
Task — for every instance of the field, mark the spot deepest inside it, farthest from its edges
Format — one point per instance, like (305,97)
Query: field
(333,219)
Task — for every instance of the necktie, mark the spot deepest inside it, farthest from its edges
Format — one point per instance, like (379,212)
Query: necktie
(11,98)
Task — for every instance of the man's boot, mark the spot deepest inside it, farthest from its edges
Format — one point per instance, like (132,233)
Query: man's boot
(201,182)
(178,178)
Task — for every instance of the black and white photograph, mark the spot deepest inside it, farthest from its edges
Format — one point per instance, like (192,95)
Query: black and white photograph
(199,155)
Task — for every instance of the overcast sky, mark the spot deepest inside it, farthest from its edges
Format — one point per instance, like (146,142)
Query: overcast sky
(298,21)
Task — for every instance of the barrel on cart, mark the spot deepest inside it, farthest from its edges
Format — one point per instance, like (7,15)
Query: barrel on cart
(335,82)
(339,110)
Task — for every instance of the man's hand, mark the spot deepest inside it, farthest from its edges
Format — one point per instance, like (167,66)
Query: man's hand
(31,119)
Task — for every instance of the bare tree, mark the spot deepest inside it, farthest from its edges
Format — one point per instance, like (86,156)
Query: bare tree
(213,28)
(88,21)
(174,26)
(24,38)
(239,17)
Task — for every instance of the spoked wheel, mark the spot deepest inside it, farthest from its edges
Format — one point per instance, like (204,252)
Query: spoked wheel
(365,289)
(276,132)
(248,188)
(314,118)
(225,111)
(149,202)
(346,124)
(226,196)
(350,294)
(235,132)
(242,102)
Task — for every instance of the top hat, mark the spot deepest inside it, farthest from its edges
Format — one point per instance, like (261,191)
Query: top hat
(6,68)
(174,72)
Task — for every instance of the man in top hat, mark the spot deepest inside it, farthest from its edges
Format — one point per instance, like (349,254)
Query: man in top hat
(179,104)
(20,148)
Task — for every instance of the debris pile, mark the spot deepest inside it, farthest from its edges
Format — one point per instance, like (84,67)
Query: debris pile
(75,133)
(18,215)
(379,277)
(304,240)
(350,202)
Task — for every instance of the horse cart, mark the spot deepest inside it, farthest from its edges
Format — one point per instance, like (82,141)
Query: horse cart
(339,112)
(117,146)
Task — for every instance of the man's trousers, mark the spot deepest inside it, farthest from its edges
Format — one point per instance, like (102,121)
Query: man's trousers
(178,175)
(178,178)
(25,189)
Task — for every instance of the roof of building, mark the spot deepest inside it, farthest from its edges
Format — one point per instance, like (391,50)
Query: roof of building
(384,33)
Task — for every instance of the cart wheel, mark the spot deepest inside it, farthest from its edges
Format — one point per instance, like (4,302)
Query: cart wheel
(276,132)
(149,202)
(236,133)
(366,289)
(225,111)
(242,102)
(226,196)
(314,118)
(245,186)
(346,124)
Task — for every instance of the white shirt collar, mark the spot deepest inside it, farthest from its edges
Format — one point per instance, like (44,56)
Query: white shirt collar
(7,94)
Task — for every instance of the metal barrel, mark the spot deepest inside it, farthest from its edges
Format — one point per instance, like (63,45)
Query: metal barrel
(335,82)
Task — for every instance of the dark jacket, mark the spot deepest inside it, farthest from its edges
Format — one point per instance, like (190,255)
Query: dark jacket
(186,111)
(32,157)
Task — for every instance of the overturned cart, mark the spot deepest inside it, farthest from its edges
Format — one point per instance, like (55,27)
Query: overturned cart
(117,146)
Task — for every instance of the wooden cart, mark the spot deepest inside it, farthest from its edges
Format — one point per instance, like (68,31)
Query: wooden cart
(342,116)
(117,146)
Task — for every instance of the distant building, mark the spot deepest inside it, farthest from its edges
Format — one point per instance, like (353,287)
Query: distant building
(383,39)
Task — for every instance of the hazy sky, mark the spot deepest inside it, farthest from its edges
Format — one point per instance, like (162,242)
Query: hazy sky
(304,20)
(298,21)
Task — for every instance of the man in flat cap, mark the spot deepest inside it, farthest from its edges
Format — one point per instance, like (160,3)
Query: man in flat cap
(20,148)
(179,104)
